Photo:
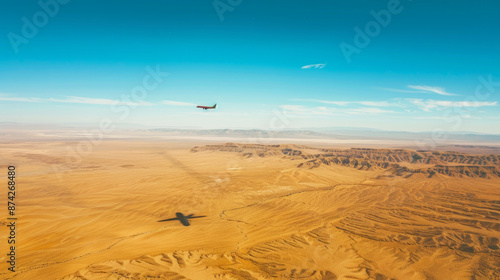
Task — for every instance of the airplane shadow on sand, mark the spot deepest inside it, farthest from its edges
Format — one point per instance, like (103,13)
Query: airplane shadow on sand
(183,219)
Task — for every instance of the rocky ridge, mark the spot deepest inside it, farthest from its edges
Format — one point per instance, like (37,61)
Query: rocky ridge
(401,162)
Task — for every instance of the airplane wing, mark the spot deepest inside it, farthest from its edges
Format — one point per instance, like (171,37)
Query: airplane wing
(173,219)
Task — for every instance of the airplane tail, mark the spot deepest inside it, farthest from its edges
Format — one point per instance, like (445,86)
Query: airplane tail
(215,105)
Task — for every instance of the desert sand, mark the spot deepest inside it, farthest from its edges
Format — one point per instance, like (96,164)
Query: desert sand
(272,212)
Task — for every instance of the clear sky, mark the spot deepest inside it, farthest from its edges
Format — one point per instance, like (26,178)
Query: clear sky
(395,65)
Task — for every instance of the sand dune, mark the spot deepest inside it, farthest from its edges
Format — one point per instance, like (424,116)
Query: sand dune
(273,212)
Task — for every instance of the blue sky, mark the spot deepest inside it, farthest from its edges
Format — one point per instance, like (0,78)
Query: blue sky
(415,66)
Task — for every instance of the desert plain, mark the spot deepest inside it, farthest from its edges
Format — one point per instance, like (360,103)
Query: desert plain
(280,211)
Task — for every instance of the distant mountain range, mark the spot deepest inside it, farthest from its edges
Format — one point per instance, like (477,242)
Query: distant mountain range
(341,133)
(242,133)
(333,133)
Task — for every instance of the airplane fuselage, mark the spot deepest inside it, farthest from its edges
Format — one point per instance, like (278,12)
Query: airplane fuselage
(183,219)
(206,107)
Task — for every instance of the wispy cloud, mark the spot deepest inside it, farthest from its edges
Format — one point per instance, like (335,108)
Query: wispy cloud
(468,116)
(429,104)
(344,103)
(211,114)
(420,89)
(339,103)
(97,101)
(429,118)
(438,90)
(304,111)
(92,101)
(320,65)
(176,103)
(328,111)
(411,105)
(75,99)
(296,108)
(401,90)
(22,99)
(368,111)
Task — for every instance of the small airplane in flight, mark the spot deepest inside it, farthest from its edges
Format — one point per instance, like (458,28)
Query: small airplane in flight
(183,219)
(206,107)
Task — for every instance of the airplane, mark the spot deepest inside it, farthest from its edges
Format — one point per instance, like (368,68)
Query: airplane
(207,107)
(183,219)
